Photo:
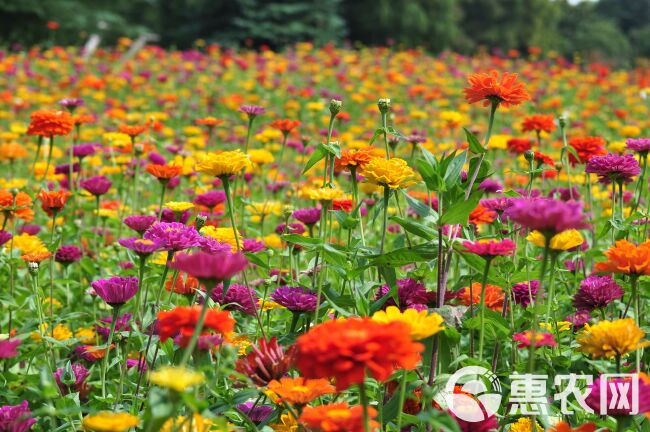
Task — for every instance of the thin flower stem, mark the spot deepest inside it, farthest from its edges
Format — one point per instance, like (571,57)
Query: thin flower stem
(402,397)
(199,325)
(363,397)
(384,219)
(481,338)
(162,200)
(538,296)
(49,157)
(470,185)
(116,310)
(384,125)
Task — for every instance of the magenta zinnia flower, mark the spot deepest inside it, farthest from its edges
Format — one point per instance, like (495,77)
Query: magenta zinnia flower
(308,216)
(252,110)
(210,199)
(16,418)
(139,224)
(411,294)
(490,248)
(639,145)
(74,378)
(71,103)
(117,290)
(525,339)
(597,292)
(173,236)
(122,323)
(613,168)
(210,269)
(142,247)
(67,254)
(83,150)
(547,215)
(624,384)
(97,185)
(296,299)
(523,291)
(9,348)
(237,297)
(4,237)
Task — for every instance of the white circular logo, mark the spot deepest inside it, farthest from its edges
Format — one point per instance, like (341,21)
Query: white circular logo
(482,384)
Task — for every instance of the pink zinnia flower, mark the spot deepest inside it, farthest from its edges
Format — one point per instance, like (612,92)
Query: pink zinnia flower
(210,269)
(613,168)
(547,215)
(490,248)
(8,348)
(541,339)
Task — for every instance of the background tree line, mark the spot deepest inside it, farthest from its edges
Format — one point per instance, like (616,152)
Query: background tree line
(616,30)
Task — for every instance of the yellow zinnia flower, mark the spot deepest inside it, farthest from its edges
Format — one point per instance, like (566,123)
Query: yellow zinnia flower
(422,323)
(223,164)
(86,335)
(561,326)
(260,157)
(223,235)
(28,244)
(324,194)
(106,421)
(179,206)
(609,339)
(524,424)
(393,173)
(288,423)
(176,378)
(198,423)
(60,332)
(560,242)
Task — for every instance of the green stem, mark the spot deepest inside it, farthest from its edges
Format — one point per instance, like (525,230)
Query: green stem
(363,397)
(49,157)
(384,219)
(538,296)
(402,397)
(470,185)
(481,339)
(162,200)
(199,325)
(116,310)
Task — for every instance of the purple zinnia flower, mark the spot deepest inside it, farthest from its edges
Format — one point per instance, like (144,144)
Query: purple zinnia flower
(9,348)
(579,319)
(612,408)
(296,299)
(275,187)
(237,297)
(411,294)
(142,247)
(257,414)
(208,268)
(173,236)
(71,103)
(121,324)
(252,110)
(523,291)
(65,169)
(142,365)
(139,224)
(213,246)
(97,185)
(83,150)
(613,168)
(597,292)
(292,228)
(5,236)
(156,158)
(491,186)
(117,290)
(574,266)
(547,215)
(30,229)
(498,205)
(67,254)
(565,194)
(16,418)
(210,199)
(252,245)
(71,380)
(308,216)
(639,145)
(169,215)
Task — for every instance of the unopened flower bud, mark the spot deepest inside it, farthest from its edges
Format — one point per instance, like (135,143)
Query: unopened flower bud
(335,106)
(562,121)
(200,222)
(32,267)
(558,166)
(287,211)
(384,105)
(529,155)
(139,149)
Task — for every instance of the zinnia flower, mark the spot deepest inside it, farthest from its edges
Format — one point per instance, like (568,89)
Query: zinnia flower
(613,387)
(538,123)
(296,299)
(525,339)
(77,375)
(117,290)
(410,294)
(16,418)
(139,224)
(565,240)
(491,89)
(49,123)
(346,349)
(300,391)
(523,292)
(547,215)
(639,145)
(267,362)
(489,249)
(308,216)
(106,421)
(493,296)
(586,148)
(422,323)
(177,378)
(9,348)
(608,339)
(337,417)
(237,297)
(181,321)
(626,257)
(67,254)
(97,185)
(392,173)
(563,426)
(173,236)
(164,173)
(614,168)
(354,160)
(52,202)
(597,292)
(224,164)
(210,268)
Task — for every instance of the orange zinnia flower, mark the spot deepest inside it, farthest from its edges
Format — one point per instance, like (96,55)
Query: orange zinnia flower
(481,215)
(132,131)
(83,119)
(337,417)
(354,159)
(538,123)
(626,257)
(52,202)
(210,122)
(493,296)
(185,284)
(164,172)
(181,321)
(18,205)
(345,349)
(49,123)
(12,151)
(489,88)
(285,125)
(566,427)
(586,147)
(36,257)
(300,391)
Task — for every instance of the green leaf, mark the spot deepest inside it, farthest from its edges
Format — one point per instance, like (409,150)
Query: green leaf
(495,325)
(318,155)
(298,239)
(379,132)
(459,212)
(256,260)
(474,144)
(452,173)
(333,148)
(420,208)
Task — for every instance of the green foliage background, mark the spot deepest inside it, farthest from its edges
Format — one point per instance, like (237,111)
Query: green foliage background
(605,29)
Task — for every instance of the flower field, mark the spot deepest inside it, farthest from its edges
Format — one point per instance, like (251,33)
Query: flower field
(322,239)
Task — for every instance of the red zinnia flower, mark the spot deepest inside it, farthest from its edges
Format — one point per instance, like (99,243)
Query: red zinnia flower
(488,88)
(337,417)
(181,321)
(586,147)
(267,362)
(519,145)
(285,125)
(132,131)
(346,349)
(52,202)
(538,123)
(49,123)
(541,159)
(342,204)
